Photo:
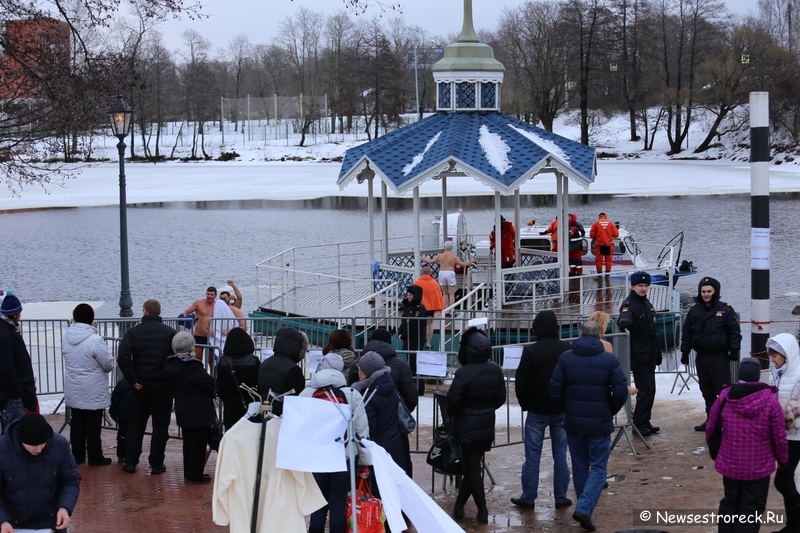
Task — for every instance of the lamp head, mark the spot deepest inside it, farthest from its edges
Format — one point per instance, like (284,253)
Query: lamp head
(120,115)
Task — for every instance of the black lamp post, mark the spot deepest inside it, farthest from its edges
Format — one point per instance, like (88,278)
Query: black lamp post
(120,116)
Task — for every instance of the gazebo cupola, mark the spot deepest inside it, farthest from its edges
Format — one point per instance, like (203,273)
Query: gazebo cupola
(468,77)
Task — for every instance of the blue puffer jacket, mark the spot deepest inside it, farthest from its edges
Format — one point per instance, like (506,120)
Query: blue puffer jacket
(588,382)
(33,488)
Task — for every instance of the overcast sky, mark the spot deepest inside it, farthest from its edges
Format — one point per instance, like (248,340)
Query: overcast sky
(260,19)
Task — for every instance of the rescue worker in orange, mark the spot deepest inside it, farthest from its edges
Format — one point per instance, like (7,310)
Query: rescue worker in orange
(552,229)
(507,243)
(576,234)
(431,299)
(603,233)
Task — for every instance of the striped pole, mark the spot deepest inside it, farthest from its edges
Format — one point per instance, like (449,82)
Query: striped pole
(759,225)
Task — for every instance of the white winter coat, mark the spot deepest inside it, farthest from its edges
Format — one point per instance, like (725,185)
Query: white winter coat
(334,378)
(87,360)
(787,377)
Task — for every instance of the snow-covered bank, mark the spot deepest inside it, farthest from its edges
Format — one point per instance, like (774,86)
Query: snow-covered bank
(98,185)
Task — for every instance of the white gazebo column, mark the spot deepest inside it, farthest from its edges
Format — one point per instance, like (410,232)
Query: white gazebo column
(371,215)
(417,238)
(498,256)
(385,217)
(563,244)
(444,213)
(518,259)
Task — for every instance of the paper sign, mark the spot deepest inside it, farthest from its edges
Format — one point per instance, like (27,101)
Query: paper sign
(511,357)
(432,364)
(314,358)
(311,435)
(759,237)
(266,353)
(759,259)
(478,322)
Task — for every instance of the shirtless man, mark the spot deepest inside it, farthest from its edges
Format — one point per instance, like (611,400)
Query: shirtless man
(447,271)
(204,309)
(234,303)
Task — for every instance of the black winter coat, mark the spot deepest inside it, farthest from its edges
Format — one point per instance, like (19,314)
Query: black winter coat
(16,370)
(246,368)
(194,391)
(400,371)
(415,320)
(589,384)
(382,416)
(478,390)
(637,315)
(34,487)
(144,350)
(537,365)
(712,330)
(280,372)
(121,398)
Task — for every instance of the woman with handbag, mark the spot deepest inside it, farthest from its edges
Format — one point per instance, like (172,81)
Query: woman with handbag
(478,390)
(236,366)
(194,392)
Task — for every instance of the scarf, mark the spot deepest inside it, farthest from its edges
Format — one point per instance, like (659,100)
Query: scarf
(17,327)
(364,384)
(185,357)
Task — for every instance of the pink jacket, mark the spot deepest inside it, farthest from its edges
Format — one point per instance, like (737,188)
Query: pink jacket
(753,431)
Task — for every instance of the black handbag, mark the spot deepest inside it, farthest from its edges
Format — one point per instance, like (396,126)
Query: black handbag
(446,455)
(715,439)
(405,420)
(215,436)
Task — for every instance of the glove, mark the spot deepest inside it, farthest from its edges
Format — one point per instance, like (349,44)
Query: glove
(685,358)
(734,355)
(542,233)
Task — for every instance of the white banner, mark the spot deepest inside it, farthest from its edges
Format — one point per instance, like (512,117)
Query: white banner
(432,364)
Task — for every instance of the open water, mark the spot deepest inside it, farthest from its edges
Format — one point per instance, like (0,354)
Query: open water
(177,250)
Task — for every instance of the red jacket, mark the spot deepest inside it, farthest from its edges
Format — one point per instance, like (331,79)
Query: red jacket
(508,243)
(603,232)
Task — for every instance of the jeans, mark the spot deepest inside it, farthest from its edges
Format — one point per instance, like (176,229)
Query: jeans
(13,412)
(534,439)
(334,486)
(589,466)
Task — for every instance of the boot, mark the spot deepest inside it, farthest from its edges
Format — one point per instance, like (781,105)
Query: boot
(461,500)
(483,516)
(701,427)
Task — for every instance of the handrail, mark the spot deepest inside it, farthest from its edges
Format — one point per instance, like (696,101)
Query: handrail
(368,298)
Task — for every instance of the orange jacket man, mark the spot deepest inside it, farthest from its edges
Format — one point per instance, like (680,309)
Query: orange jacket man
(603,233)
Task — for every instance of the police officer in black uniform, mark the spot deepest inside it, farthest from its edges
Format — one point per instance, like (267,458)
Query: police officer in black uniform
(638,316)
(712,330)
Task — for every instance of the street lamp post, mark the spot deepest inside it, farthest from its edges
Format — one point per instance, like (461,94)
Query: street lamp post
(120,117)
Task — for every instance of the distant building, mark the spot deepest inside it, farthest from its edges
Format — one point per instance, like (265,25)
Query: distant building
(33,55)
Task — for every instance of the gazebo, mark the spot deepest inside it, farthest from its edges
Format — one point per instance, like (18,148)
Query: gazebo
(469,137)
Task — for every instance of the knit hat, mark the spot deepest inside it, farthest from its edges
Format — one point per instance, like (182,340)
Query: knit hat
(638,278)
(333,361)
(183,342)
(33,429)
(381,334)
(238,342)
(370,363)
(11,305)
(749,369)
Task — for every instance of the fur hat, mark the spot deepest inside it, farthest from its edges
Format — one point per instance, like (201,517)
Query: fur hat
(638,278)
(183,342)
(749,369)
(33,429)
(11,305)
(333,361)
(238,342)
(381,334)
(370,363)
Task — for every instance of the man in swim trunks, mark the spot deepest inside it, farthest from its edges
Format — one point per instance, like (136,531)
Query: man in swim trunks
(447,271)
(204,309)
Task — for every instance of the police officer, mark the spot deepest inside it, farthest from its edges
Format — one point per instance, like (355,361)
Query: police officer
(712,330)
(638,316)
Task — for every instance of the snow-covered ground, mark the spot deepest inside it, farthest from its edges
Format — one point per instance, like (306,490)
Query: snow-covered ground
(260,172)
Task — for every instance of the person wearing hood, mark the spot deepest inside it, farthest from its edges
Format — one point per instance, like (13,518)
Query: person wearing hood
(637,315)
(712,330)
(381,343)
(39,482)
(477,391)
(588,383)
(336,485)
(377,389)
(531,381)
(194,391)
(412,329)
(784,355)
(280,373)
(341,342)
(87,361)
(753,438)
(576,233)
(237,366)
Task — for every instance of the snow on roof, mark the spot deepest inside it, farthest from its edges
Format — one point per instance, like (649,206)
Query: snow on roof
(545,144)
(419,157)
(495,148)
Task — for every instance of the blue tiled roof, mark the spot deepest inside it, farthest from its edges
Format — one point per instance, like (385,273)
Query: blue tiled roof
(497,149)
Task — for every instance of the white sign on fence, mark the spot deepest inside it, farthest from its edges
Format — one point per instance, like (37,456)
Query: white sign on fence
(314,358)
(432,364)
(266,353)
(511,357)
